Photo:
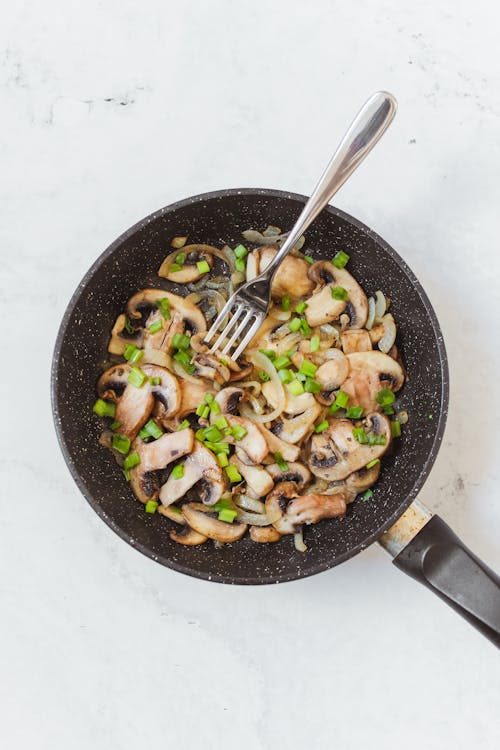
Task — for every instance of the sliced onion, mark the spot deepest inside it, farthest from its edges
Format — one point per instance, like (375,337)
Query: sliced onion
(298,540)
(264,363)
(250,503)
(271,231)
(289,342)
(156,357)
(252,386)
(380,304)
(387,341)
(181,372)
(258,519)
(237,277)
(330,334)
(256,404)
(228,256)
(279,333)
(280,315)
(371,314)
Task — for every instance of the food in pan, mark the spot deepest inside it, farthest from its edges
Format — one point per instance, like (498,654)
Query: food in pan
(286,436)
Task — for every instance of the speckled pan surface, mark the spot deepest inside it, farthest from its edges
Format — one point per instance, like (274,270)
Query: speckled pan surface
(129,264)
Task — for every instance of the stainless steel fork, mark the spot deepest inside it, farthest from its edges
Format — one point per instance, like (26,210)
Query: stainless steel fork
(248,306)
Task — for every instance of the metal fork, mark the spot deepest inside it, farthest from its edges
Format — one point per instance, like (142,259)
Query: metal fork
(250,303)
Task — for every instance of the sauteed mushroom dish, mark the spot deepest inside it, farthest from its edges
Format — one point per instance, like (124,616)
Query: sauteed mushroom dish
(286,436)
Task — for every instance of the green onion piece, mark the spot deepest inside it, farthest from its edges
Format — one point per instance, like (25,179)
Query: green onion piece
(282,464)
(389,410)
(373,463)
(136,377)
(286,376)
(144,434)
(214,408)
(222,459)
(285,303)
(385,397)
(296,388)
(180,341)
(130,353)
(121,443)
(264,376)
(233,474)
(184,359)
(308,368)
(299,376)
(294,324)
(289,352)
(340,259)
(309,258)
(228,431)
(374,439)
(200,435)
(301,307)
(312,386)
(131,460)
(221,423)
(199,410)
(322,426)
(227,515)
(115,425)
(239,432)
(208,398)
(178,471)
(151,506)
(314,344)
(396,429)
(360,435)
(175,267)
(282,361)
(341,399)
(223,362)
(338,292)
(180,259)
(183,424)
(126,474)
(104,408)
(240,251)
(153,429)
(202,266)
(239,264)
(163,306)
(367,495)
(224,502)
(354,412)
(213,434)
(269,353)
(156,381)
(206,412)
(305,327)
(220,447)
(128,326)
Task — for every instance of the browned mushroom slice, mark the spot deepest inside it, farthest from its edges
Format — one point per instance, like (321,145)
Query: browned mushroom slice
(336,453)
(113,382)
(313,507)
(369,372)
(355,340)
(188,537)
(202,469)
(276,504)
(133,409)
(288,451)
(210,367)
(189,271)
(146,300)
(331,374)
(296,472)
(253,444)
(156,456)
(291,277)
(167,392)
(322,308)
(192,395)
(294,429)
(293,404)
(360,481)
(256,477)
(264,534)
(209,526)
(121,337)
(229,399)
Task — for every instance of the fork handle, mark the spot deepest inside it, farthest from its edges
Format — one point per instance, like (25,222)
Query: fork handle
(368,126)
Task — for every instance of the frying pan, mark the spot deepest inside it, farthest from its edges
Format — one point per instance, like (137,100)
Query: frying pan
(422,544)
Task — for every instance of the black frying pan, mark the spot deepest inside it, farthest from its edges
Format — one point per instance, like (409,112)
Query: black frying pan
(435,556)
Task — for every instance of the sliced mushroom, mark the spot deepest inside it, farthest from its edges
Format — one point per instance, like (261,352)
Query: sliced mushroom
(361,480)
(312,508)
(121,338)
(209,366)
(335,453)
(192,395)
(205,523)
(264,534)
(355,340)
(291,277)
(154,457)
(146,299)
(277,501)
(322,308)
(229,399)
(370,372)
(200,468)
(331,374)
(296,472)
(133,409)
(288,451)
(113,382)
(167,393)
(256,477)
(188,536)
(293,429)
(253,444)
(293,404)
(189,271)
(171,512)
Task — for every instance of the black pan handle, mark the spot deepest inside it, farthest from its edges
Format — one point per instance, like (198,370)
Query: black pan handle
(440,560)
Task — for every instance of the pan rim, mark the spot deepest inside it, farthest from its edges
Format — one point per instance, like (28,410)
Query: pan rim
(323,565)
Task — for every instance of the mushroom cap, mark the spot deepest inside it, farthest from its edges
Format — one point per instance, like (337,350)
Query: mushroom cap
(204,523)
(189,271)
(294,429)
(229,398)
(155,456)
(296,473)
(291,277)
(146,299)
(167,393)
(355,340)
(256,477)
(253,444)
(276,503)
(335,453)
(369,372)
(324,308)
(313,507)
(200,466)
(120,337)
(264,534)
(331,374)
(113,382)
(188,537)
(289,451)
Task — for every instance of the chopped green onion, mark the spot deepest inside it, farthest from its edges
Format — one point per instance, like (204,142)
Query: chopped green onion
(126,474)
(373,463)
(175,267)
(286,376)
(374,439)
(136,377)
(221,423)
(214,408)
(282,464)
(180,341)
(296,388)
(282,361)
(314,344)
(178,471)
(354,412)
(156,381)
(131,460)
(144,434)
(360,435)
(240,251)
(239,432)
(183,424)
(104,408)
(301,307)
(294,324)
(307,368)
(185,360)
(312,386)
(222,459)
(264,376)
(233,474)
(388,410)
(338,292)
(224,502)
(180,259)
(163,306)
(200,435)
(151,506)
(220,447)
(223,362)
(289,352)
(213,434)
(385,397)
(239,264)
(208,398)
(322,426)
(340,259)
(228,431)
(305,327)
(202,266)
(128,326)
(309,258)
(367,495)
(396,429)
(132,353)
(269,353)
(285,303)
(121,443)
(341,400)
(153,429)
(227,515)
(203,411)
(115,425)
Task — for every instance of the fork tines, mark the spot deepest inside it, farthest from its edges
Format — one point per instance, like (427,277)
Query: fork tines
(241,328)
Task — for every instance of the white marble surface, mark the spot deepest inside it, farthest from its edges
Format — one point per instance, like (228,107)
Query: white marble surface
(112,109)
